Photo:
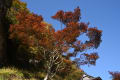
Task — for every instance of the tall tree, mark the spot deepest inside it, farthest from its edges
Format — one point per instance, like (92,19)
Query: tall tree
(68,36)
(32,31)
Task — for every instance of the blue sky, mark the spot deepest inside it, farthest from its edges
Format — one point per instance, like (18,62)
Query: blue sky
(105,14)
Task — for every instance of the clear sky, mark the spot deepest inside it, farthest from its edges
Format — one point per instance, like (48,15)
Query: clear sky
(105,14)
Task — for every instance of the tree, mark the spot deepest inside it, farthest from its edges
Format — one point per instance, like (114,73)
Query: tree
(72,30)
(10,18)
(115,75)
(32,31)
(53,46)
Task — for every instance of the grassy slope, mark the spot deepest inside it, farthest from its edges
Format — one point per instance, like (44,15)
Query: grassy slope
(10,73)
(16,74)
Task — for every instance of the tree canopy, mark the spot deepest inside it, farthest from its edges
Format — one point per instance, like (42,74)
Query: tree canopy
(32,31)
(37,42)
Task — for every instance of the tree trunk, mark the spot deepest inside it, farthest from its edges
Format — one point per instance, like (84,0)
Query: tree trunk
(46,77)
(2,46)
(4,5)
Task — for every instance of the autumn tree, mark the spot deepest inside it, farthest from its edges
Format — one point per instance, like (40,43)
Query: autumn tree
(38,36)
(72,30)
(115,75)
(44,43)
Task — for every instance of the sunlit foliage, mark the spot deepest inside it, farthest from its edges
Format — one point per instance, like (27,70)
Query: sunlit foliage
(16,6)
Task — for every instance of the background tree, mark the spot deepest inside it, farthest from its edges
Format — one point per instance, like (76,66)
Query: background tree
(115,75)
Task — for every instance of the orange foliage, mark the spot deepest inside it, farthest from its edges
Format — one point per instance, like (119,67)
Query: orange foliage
(115,75)
(33,31)
(66,17)
(95,36)
(69,62)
